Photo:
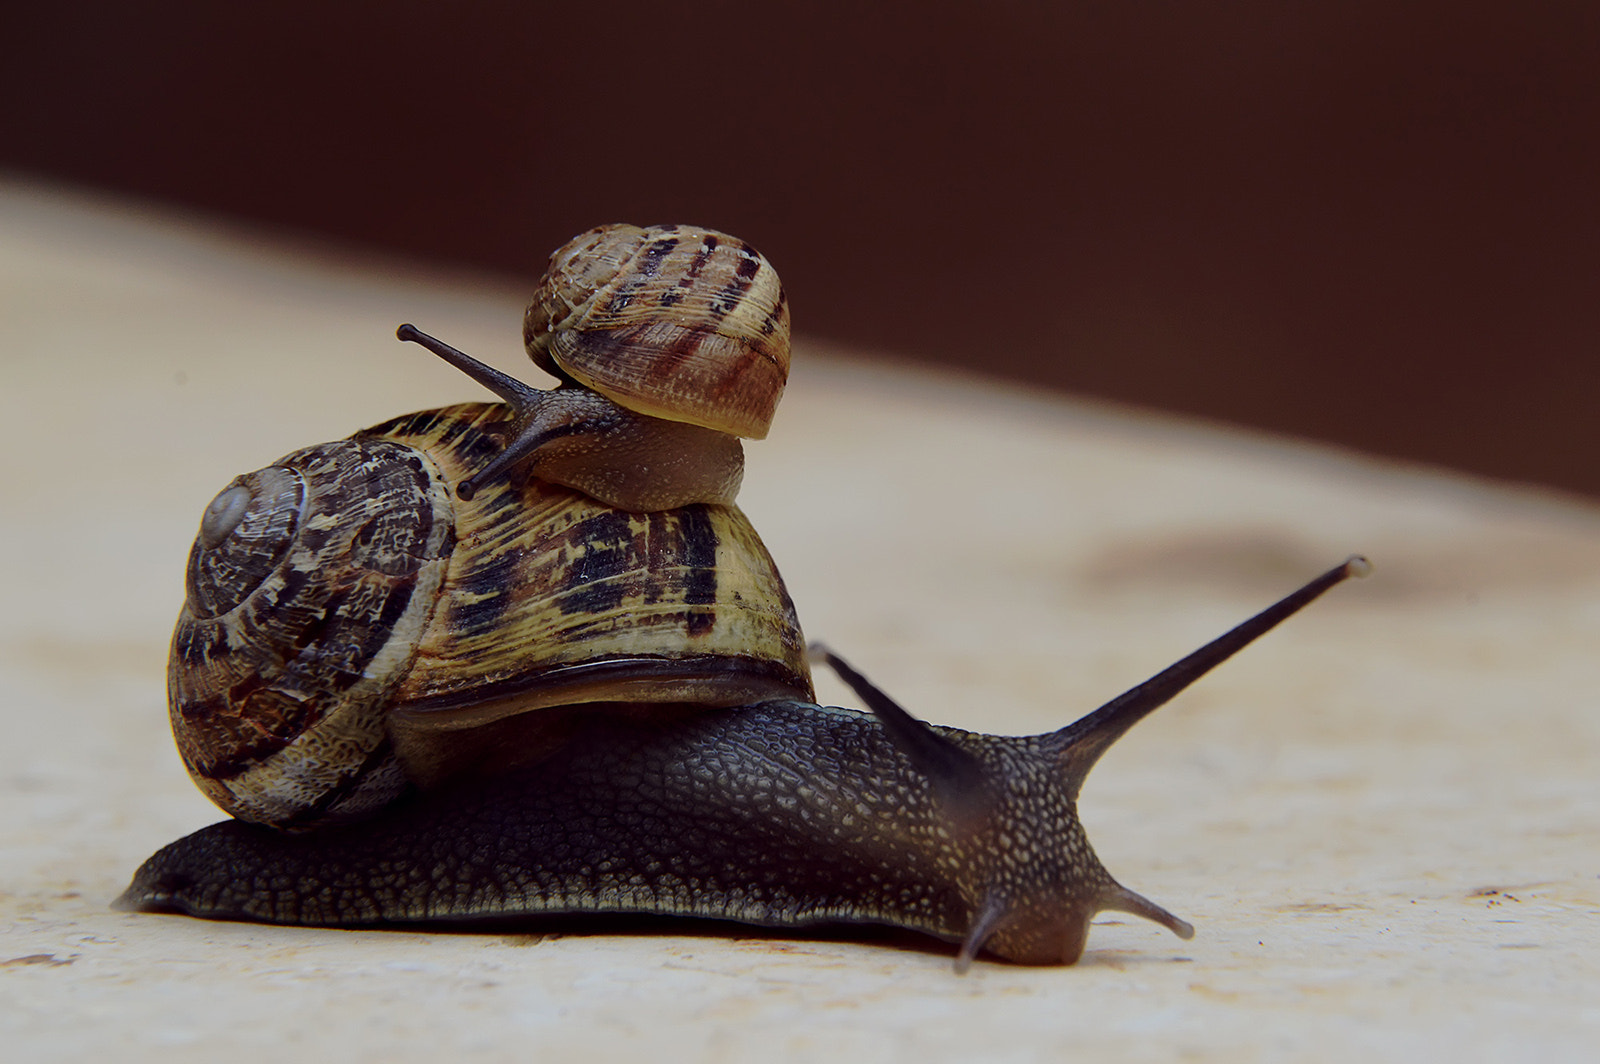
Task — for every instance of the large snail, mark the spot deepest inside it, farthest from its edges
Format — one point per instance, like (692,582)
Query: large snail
(447,706)
(344,610)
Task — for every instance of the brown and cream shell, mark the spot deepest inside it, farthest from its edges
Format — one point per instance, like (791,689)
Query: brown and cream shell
(674,321)
(351,626)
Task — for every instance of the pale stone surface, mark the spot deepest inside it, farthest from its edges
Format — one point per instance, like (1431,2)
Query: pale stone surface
(1384,820)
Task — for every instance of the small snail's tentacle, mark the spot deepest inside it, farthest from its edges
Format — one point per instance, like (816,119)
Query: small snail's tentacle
(1081,743)
(524,438)
(582,439)
(522,397)
(957,776)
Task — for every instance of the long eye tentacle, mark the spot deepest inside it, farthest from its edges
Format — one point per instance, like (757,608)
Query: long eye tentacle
(522,397)
(1082,742)
(524,436)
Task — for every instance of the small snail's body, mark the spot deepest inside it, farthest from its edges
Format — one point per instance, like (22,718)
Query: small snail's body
(783,814)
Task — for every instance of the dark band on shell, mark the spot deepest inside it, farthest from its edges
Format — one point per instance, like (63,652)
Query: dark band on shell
(351,612)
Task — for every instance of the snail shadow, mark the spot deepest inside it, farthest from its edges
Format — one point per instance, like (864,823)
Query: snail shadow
(536,929)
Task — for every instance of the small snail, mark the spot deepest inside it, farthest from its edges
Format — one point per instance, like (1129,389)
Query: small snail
(670,342)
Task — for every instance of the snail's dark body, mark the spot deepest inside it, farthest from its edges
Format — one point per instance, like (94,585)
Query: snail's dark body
(781,814)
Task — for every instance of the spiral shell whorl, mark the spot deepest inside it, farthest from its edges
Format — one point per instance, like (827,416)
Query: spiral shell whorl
(676,322)
(302,614)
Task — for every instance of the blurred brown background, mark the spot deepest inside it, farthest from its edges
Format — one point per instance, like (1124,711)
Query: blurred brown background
(1368,222)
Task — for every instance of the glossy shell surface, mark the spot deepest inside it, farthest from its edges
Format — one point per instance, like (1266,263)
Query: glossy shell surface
(352,619)
(677,322)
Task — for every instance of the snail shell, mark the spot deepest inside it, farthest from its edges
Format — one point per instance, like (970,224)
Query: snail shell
(620,701)
(670,342)
(673,321)
(351,628)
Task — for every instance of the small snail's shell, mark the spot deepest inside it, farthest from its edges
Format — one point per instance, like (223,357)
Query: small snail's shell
(673,321)
(347,618)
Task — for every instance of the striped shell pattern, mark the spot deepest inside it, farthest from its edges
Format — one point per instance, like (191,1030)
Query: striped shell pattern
(347,619)
(673,321)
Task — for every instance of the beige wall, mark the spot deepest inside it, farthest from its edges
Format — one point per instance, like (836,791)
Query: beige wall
(1366,224)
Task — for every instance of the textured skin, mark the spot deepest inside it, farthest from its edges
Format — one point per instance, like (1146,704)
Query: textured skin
(782,814)
(673,321)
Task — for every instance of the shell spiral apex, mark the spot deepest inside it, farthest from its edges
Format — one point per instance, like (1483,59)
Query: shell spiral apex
(344,612)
